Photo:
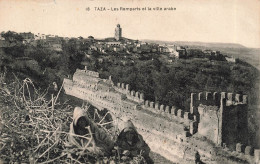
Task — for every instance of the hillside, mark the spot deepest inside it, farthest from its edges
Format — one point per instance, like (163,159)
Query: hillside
(250,55)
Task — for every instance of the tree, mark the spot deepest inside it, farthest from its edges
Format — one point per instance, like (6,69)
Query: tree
(12,36)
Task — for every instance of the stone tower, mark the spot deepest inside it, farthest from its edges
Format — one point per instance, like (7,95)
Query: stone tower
(118,32)
(222,117)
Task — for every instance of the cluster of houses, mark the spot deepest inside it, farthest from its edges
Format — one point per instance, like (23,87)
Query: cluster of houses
(52,42)
(120,44)
(117,44)
(124,46)
(134,46)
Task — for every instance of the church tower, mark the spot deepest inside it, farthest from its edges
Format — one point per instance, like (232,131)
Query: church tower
(118,32)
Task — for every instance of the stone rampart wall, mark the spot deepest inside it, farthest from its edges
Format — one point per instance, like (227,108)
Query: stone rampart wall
(170,127)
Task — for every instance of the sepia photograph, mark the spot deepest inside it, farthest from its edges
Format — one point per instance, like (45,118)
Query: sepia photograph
(129,81)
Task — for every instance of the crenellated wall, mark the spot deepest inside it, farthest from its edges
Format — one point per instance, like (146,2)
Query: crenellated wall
(222,116)
(217,116)
(130,94)
(168,112)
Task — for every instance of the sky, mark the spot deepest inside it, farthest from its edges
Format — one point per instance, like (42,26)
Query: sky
(225,21)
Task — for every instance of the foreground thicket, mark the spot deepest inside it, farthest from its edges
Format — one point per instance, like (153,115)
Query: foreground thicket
(35,129)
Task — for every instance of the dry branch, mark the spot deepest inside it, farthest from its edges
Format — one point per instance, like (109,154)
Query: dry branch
(35,130)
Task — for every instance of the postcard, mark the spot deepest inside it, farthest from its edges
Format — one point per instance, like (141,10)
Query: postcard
(129,81)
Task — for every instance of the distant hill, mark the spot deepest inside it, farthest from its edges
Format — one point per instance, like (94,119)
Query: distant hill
(204,44)
(198,44)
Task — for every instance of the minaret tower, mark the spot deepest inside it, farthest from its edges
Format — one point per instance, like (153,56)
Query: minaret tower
(118,32)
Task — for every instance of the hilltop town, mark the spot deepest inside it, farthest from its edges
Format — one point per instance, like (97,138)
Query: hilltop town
(117,44)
